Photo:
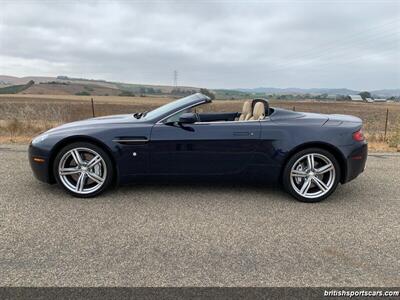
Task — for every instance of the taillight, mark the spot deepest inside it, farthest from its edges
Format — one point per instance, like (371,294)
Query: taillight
(358,136)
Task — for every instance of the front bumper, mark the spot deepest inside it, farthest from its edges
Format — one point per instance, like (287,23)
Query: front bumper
(40,164)
(356,161)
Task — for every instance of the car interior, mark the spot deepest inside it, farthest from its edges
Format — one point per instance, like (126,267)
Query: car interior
(252,110)
(256,109)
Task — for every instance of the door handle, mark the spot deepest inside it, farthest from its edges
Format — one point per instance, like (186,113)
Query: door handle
(241,133)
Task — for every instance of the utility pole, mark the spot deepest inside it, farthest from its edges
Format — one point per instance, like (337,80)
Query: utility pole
(175,79)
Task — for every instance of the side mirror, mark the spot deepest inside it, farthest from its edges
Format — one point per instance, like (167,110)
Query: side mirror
(188,118)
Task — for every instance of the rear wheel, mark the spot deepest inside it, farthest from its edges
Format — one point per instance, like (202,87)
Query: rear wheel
(311,175)
(83,169)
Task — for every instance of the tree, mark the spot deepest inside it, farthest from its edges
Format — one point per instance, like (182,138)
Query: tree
(365,95)
(150,91)
(208,93)
(142,90)
(83,93)
(127,94)
(176,91)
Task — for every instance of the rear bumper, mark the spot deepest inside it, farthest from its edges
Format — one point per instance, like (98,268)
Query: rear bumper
(39,161)
(356,161)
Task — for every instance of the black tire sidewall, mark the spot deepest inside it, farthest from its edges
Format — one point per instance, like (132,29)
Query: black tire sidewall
(286,174)
(100,151)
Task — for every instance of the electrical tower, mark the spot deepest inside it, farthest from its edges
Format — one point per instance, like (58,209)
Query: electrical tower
(175,79)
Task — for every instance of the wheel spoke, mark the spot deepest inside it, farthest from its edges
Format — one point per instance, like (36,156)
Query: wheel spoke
(82,170)
(77,157)
(325,169)
(322,186)
(80,184)
(312,175)
(306,186)
(69,171)
(94,161)
(298,173)
(95,177)
(310,161)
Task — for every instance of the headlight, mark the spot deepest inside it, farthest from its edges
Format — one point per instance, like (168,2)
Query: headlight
(40,138)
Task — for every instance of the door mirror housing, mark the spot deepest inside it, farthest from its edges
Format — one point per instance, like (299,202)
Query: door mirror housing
(187,118)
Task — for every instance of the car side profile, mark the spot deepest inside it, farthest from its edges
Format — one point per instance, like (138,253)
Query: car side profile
(308,153)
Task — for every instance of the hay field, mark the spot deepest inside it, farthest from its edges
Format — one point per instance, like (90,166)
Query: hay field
(23,116)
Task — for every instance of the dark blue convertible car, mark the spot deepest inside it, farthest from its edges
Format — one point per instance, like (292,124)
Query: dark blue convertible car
(309,154)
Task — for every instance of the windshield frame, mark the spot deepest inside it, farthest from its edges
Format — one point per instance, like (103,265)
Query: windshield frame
(178,111)
(170,108)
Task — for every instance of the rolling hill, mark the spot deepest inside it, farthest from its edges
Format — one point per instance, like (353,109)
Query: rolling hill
(318,91)
(63,85)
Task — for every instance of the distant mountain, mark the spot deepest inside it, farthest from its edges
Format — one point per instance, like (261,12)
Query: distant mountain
(294,90)
(387,93)
(6,80)
(13,80)
(48,86)
(317,91)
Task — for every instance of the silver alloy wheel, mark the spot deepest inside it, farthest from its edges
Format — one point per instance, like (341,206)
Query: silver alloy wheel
(82,170)
(312,175)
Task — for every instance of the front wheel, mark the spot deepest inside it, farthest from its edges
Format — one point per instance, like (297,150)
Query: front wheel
(83,169)
(311,175)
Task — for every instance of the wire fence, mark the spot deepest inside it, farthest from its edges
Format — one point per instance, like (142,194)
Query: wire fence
(381,122)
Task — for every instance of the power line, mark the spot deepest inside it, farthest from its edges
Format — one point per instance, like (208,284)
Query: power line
(333,49)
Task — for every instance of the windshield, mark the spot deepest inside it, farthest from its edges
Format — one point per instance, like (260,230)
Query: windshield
(169,107)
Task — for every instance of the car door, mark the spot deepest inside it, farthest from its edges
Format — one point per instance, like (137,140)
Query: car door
(203,148)
(130,142)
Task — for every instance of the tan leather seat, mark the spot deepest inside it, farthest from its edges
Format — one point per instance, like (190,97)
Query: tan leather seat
(258,111)
(246,111)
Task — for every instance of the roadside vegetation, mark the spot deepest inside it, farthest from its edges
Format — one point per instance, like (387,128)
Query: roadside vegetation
(15,89)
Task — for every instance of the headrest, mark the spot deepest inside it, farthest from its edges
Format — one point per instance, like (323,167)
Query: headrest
(247,111)
(264,101)
(247,107)
(259,111)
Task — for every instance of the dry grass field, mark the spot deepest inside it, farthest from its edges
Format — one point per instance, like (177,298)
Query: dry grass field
(24,116)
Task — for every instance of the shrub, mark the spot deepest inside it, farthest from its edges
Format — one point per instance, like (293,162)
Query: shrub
(83,93)
(13,127)
(126,94)
(208,93)
(88,88)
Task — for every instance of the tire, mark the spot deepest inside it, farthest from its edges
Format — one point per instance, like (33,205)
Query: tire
(311,184)
(89,177)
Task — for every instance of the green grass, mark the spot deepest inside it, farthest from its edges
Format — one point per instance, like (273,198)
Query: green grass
(83,93)
(15,89)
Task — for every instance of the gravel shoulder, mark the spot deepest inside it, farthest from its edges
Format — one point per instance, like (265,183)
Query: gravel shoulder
(174,234)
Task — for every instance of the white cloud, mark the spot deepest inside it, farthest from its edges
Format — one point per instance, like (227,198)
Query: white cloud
(353,44)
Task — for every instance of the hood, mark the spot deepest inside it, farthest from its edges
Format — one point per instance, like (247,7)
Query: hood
(95,122)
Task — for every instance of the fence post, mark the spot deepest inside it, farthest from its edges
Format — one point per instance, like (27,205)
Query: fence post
(92,107)
(386,124)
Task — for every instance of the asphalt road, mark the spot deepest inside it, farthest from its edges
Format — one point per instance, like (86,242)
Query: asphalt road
(198,235)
